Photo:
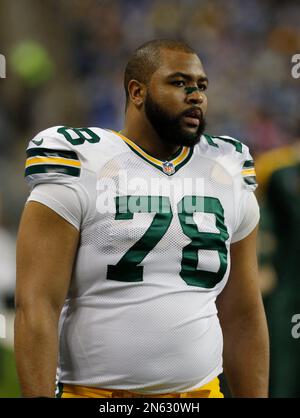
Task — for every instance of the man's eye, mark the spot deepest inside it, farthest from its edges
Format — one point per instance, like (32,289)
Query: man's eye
(178,83)
(202,87)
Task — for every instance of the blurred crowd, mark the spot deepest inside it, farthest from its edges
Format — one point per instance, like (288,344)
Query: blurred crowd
(66,60)
(65,63)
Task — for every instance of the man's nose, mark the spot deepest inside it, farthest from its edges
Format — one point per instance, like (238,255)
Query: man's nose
(194,95)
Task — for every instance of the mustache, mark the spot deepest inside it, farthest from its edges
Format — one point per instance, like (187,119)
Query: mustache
(193,112)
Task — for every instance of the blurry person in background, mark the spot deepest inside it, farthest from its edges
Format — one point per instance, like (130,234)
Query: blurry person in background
(278,173)
(7,267)
(7,286)
(136,251)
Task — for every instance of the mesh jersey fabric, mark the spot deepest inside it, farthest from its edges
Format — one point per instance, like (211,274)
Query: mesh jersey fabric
(140,314)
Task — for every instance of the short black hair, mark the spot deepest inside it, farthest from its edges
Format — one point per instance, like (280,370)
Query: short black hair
(146,60)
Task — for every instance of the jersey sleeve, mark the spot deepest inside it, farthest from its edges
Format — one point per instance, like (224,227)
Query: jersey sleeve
(248,170)
(51,158)
(63,199)
(248,217)
(57,178)
(247,206)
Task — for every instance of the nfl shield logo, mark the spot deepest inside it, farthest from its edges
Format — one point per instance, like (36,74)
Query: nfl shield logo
(168,168)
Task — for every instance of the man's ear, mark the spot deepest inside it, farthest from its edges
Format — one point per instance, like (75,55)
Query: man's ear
(137,92)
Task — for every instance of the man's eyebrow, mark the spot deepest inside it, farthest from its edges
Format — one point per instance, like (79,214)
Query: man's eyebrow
(187,76)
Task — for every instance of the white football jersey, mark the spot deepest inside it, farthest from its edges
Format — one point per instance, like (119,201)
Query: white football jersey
(140,314)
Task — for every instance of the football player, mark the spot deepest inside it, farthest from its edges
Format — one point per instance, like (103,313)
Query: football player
(136,249)
(279,178)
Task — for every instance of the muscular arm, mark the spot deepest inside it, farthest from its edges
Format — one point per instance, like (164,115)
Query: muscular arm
(243,322)
(46,249)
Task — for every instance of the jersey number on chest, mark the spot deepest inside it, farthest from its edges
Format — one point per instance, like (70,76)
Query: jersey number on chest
(128,269)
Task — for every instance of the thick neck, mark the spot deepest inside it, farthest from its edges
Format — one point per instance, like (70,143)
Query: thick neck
(139,130)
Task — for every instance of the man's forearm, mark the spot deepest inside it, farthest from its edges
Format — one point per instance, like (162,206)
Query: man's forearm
(36,347)
(246,355)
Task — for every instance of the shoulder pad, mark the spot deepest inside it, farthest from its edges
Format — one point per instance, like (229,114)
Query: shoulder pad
(221,141)
(241,154)
(65,137)
(52,155)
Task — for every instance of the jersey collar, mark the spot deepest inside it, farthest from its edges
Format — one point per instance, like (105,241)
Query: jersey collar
(168,167)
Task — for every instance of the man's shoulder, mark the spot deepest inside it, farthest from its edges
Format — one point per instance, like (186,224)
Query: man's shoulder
(225,144)
(67,137)
(85,144)
(60,153)
(231,153)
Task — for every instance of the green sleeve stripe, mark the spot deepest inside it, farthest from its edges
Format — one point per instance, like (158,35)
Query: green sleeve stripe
(59,390)
(52,168)
(250,180)
(44,152)
(248,164)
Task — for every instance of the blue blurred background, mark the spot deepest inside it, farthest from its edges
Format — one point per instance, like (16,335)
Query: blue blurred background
(65,63)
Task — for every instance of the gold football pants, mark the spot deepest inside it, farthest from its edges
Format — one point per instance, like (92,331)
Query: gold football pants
(210,390)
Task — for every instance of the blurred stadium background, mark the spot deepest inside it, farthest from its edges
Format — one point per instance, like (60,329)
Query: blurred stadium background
(65,62)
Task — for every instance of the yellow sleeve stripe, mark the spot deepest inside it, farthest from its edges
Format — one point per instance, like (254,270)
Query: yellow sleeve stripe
(52,160)
(248,172)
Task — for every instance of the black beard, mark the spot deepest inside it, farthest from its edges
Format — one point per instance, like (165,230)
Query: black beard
(168,128)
